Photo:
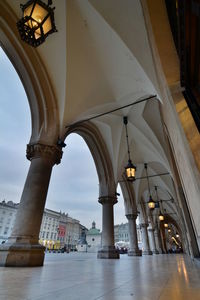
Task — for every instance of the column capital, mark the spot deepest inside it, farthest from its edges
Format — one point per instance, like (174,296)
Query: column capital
(50,152)
(132,216)
(107,200)
(144,225)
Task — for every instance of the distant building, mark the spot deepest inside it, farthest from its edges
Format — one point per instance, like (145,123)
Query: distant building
(8,212)
(57,229)
(93,238)
(121,233)
(49,230)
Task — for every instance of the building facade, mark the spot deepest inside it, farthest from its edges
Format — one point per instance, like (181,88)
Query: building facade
(8,212)
(57,229)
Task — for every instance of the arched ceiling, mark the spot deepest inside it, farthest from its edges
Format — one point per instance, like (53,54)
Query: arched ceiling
(100,59)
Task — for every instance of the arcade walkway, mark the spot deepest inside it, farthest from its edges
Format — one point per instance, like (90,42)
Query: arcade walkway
(78,276)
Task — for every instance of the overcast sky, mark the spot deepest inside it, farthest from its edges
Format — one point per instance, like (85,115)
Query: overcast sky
(74,183)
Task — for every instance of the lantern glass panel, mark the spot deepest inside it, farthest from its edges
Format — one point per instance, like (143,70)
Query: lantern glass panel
(151,204)
(47,25)
(38,14)
(161,217)
(28,9)
(130,172)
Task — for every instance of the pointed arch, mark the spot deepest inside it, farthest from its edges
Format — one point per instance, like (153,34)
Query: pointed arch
(93,138)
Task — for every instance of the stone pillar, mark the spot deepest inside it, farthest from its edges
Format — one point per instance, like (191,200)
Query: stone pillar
(145,239)
(152,241)
(22,248)
(107,239)
(158,240)
(134,250)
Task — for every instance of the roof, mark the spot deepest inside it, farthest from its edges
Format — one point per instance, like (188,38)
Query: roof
(93,231)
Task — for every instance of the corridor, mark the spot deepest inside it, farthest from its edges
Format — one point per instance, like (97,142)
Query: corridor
(77,276)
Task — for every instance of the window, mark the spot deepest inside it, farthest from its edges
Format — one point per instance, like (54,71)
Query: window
(6,230)
(43,234)
(54,236)
(93,239)
(47,235)
(51,235)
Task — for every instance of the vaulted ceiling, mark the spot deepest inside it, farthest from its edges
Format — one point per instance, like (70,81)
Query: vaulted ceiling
(100,59)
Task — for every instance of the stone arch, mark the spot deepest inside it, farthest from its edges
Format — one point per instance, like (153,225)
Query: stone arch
(94,140)
(41,98)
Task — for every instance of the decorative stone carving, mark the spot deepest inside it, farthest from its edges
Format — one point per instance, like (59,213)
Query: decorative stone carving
(107,200)
(51,152)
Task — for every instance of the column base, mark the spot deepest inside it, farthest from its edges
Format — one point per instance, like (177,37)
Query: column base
(108,252)
(135,252)
(147,252)
(21,255)
(155,251)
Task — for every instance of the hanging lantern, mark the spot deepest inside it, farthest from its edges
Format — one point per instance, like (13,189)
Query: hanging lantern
(37,22)
(177,235)
(151,203)
(169,230)
(165,225)
(130,169)
(161,217)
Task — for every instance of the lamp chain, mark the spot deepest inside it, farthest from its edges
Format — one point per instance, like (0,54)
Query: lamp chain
(145,165)
(125,123)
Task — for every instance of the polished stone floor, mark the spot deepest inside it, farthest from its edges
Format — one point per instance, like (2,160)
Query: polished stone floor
(77,276)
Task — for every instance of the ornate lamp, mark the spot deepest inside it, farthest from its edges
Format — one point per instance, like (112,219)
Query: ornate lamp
(166,225)
(37,22)
(151,202)
(161,216)
(130,169)
(169,230)
(177,235)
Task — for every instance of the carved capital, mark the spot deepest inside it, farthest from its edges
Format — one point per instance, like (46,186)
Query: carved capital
(132,216)
(50,152)
(143,225)
(108,200)
(151,229)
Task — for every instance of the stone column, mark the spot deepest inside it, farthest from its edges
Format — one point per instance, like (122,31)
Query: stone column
(134,250)
(158,240)
(145,239)
(152,241)
(107,239)
(22,248)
